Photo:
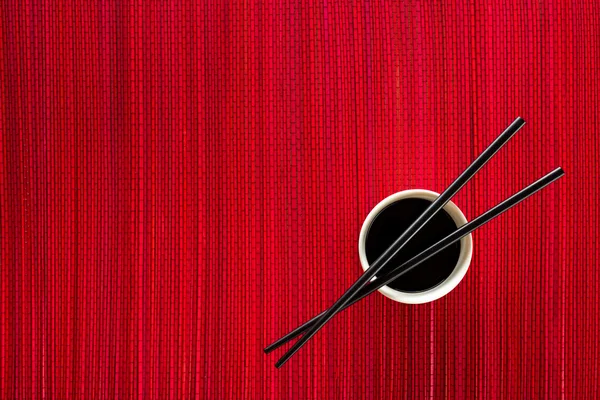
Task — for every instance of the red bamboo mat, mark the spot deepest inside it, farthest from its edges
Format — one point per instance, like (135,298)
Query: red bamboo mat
(183,182)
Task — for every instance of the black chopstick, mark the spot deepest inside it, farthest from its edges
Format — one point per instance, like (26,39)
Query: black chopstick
(432,250)
(433,208)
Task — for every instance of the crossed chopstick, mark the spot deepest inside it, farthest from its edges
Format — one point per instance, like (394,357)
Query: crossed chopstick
(364,286)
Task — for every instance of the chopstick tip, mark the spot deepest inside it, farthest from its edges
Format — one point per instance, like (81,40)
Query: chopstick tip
(269,348)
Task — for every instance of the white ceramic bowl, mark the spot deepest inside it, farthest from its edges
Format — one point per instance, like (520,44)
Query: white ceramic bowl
(462,265)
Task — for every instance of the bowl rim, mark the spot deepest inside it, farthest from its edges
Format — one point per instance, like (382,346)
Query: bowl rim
(462,265)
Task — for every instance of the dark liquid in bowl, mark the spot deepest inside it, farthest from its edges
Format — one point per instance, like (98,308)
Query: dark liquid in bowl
(391,222)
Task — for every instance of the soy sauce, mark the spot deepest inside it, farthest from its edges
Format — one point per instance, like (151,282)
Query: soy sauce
(391,222)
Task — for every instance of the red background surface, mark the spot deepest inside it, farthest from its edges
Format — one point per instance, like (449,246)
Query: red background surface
(184,182)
